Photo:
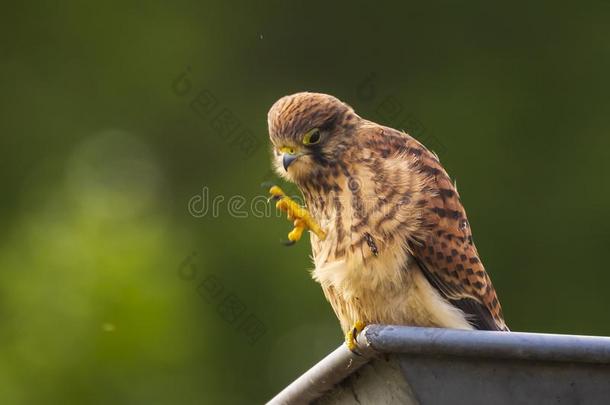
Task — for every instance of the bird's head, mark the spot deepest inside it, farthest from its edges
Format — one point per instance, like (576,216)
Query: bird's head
(309,132)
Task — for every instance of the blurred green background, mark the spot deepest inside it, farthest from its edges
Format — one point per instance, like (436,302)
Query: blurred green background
(112,120)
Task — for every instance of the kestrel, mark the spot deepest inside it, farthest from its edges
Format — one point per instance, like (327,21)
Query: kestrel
(390,239)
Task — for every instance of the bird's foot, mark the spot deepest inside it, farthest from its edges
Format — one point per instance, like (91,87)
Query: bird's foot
(301,217)
(352,334)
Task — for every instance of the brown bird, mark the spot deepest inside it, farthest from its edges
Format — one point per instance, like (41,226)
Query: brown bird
(396,246)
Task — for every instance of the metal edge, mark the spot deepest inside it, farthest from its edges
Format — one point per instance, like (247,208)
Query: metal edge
(491,344)
(378,339)
(323,376)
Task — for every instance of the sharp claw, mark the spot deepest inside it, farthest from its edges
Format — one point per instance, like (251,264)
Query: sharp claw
(355,351)
(351,337)
(288,242)
(355,332)
(299,215)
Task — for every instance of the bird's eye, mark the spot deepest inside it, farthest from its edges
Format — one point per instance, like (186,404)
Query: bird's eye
(312,137)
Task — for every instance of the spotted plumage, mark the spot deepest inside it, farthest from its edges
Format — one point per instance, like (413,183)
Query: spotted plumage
(399,248)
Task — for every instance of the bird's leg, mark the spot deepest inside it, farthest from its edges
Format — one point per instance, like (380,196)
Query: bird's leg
(352,333)
(301,217)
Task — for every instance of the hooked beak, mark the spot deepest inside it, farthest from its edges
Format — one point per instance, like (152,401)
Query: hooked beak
(289,156)
(287,160)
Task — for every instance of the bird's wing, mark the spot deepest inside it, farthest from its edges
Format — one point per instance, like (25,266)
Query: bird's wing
(446,253)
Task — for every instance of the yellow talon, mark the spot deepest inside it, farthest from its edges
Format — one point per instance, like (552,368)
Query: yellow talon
(296,233)
(351,335)
(301,217)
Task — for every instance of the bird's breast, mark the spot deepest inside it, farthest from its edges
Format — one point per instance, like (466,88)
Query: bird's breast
(389,289)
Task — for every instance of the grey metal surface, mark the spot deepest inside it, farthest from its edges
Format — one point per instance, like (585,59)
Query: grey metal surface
(448,366)
(320,378)
(467,380)
(381,381)
(505,345)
